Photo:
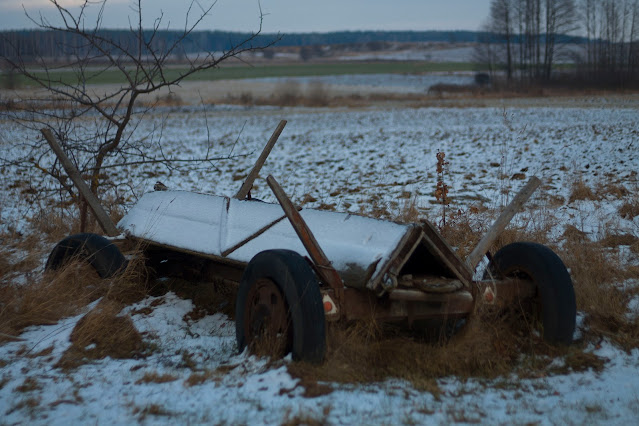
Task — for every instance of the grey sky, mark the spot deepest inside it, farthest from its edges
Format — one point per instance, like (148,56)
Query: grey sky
(280,15)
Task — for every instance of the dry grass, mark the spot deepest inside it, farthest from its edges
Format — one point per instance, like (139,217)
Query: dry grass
(45,299)
(29,384)
(154,377)
(595,270)
(196,379)
(489,345)
(306,419)
(464,229)
(150,410)
(630,210)
(102,333)
(581,191)
(49,298)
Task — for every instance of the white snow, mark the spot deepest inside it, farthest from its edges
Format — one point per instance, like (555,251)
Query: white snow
(247,390)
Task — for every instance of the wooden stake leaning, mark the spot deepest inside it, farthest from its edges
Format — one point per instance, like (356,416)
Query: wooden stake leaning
(323,266)
(103,218)
(502,221)
(248,183)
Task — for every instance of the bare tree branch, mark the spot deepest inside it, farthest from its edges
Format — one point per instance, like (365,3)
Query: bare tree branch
(96,126)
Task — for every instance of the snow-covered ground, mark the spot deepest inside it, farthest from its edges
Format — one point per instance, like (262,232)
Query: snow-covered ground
(350,160)
(246,390)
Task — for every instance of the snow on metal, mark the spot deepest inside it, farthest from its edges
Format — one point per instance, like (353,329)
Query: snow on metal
(214,225)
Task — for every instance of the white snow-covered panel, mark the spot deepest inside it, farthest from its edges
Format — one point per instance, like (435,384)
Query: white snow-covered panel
(348,241)
(245,218)
(212,224)
(178,218)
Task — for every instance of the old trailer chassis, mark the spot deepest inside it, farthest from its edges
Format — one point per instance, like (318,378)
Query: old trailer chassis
(396,296)
(423,277)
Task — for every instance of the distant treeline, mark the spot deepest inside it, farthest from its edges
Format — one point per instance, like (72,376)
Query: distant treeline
(27,43)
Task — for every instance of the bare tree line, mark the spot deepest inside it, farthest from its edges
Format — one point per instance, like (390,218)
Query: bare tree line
(526,38)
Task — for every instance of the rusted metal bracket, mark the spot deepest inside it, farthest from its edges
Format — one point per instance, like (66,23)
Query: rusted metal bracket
(103,218)
(502,221)
(323,266)
(248,183)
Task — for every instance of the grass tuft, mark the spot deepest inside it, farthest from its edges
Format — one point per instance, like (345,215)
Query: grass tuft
(49,298)
(154,377)
(102,333)
(196,379)
(581,191)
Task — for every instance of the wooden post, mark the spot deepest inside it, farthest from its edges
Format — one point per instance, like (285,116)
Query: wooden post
(103,218)
(248,183)
(322,265)
(502,221)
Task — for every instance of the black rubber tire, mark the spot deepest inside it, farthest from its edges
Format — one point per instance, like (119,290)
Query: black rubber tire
(555,292)
(99,252)
(299,286)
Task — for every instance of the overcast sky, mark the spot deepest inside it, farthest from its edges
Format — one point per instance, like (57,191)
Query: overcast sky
(283,16)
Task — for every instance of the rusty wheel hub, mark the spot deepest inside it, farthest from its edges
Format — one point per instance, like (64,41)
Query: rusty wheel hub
(267,326)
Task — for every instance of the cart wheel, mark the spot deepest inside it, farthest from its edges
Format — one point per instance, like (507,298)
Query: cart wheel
(99,252)
(555,293)
(279,308)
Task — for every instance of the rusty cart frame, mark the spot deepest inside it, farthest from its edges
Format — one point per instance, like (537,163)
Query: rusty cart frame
(288,292)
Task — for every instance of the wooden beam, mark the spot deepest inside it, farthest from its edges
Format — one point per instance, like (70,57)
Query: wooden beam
(323,266)
(248,183)
(103,218)
(502,221)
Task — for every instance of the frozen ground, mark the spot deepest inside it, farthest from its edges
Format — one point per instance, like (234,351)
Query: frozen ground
(355,159)
(349,160)
(237,389)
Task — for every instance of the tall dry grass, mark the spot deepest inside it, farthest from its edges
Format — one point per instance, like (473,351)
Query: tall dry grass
(47,298)
(492,343)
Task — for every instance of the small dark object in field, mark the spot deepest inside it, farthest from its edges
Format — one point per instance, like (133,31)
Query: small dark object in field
(482,79)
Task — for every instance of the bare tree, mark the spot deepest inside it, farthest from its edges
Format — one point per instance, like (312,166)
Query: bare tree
(560,19)
(612,52)
(531,28)
(501,24)
(95,125)
(485,52)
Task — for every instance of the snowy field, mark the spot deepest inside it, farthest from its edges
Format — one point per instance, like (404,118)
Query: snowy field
(372,160)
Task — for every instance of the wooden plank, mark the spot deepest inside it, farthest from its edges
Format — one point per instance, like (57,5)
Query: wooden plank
(502,221)
(103,218)
(323,266)
(248,183)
